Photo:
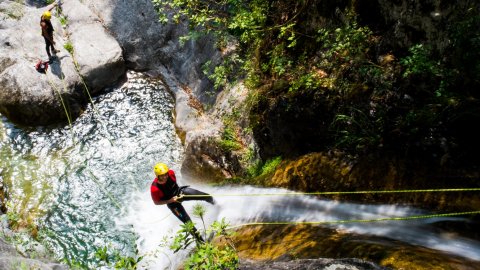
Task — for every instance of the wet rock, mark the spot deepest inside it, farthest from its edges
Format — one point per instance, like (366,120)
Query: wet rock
(268,246)
(313,264)
(205,160)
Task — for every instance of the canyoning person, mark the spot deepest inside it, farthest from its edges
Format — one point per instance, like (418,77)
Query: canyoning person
(165,190)
(47,31)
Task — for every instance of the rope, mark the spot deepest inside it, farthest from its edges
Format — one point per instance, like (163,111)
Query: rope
(339,192)
(77,69)
(95,179)
(63,103)
(356,220)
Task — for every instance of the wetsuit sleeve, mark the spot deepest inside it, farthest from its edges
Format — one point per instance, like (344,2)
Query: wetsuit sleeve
(156,193)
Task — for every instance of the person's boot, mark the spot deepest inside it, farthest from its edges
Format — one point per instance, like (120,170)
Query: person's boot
(198,237)
(211,201)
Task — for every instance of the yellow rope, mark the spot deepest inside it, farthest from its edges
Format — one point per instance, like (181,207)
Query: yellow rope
(95,179)
(52,84)
(356,220)
(91,100)
(77,69)
(339,192)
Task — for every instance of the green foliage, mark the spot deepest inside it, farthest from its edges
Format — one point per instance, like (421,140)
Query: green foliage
(184,237)
(115,260)
(242,27)
(207,255)
(229,141)
(13,218)
(420,62)
(69,47)
(270,165)
(349,42)
(63,20)
(357,130)
(210,256)
(259,168)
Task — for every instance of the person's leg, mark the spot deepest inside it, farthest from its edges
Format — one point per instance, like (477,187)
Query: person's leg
(179,211)
(47,47)
(199,195)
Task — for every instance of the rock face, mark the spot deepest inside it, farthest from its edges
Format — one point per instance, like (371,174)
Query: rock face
(411,22)
(31,98)
(10,259)
(148,44)
(313,264)
(106,37)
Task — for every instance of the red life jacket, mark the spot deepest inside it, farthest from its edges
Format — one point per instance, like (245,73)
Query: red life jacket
(166,191)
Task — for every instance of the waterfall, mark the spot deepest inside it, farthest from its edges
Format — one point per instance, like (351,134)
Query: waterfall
(239,210)
(88,186)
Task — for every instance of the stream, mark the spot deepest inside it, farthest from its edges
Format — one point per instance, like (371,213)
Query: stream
(86,186)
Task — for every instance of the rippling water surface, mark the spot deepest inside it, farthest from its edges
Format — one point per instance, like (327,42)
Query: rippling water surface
(88,186)
(76,182)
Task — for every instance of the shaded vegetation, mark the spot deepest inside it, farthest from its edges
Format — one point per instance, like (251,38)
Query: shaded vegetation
(325,81)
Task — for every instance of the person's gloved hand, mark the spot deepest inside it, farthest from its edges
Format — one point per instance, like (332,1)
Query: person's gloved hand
(179,198)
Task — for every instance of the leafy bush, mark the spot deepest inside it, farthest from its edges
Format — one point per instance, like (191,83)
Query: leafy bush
(69,47)
(206,255)
(420,62)
(114,259)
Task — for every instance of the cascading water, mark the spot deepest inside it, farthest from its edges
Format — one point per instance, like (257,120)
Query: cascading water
(78,181)
(88,187)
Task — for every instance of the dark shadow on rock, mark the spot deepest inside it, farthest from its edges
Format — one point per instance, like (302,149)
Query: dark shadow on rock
(56,67)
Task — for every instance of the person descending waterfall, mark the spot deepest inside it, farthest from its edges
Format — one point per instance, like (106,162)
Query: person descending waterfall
(47,31)
(165,190)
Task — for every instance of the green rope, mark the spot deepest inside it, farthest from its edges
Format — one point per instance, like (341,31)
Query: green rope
(77,69)
(63,103)
(340,192)
(95,179)
(357,220)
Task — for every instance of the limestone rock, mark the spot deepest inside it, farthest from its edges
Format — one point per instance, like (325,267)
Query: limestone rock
(10,259)
(32,98)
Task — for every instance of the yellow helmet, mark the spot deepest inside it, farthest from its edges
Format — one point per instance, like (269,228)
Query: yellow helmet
(47,15)
(160,168)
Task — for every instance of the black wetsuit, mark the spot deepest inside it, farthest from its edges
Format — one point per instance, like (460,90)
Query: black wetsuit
(171,189)
(49,30)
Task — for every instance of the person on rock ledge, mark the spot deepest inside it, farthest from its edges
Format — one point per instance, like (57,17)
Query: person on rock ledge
(47,31)
(165,190)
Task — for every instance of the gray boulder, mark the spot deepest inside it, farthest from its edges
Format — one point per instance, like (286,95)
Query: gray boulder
(10,259)
(32,98)
(150,45)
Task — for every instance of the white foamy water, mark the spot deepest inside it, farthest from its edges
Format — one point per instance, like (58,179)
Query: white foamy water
(153,223)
